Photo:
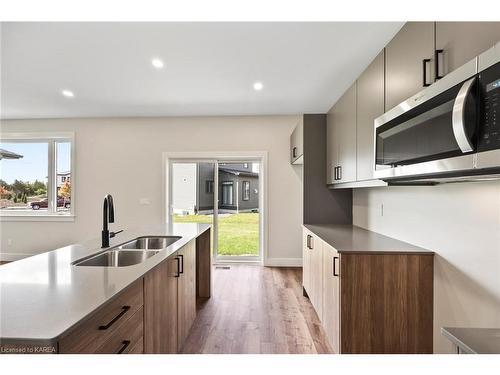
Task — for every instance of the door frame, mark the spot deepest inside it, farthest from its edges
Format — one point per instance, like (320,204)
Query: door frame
(224,156)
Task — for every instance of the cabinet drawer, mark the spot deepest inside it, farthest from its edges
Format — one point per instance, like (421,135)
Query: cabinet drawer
(127,338)
(89,335)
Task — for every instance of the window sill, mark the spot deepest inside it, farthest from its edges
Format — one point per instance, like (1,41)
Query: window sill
(37,218)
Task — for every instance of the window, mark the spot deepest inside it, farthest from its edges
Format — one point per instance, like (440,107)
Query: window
(246,190)
(245,165)
(35,171)
(209,187)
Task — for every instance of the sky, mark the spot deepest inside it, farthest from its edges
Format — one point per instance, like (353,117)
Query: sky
(33,166)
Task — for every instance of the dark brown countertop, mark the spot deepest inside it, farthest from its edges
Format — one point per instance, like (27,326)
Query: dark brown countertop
(353,239)
(474,340)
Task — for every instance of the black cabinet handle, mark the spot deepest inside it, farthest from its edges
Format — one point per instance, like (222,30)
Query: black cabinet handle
(294,152)
(310,242)
(437,53)
(113,321)
(178,266)
(424,69)
(338,173)
(125,344)
(334,268)
(181,263)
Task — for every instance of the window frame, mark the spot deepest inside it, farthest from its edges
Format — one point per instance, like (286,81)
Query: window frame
(244,195)
(52,138)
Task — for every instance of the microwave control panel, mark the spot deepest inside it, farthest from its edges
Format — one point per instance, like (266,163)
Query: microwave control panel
(489,129)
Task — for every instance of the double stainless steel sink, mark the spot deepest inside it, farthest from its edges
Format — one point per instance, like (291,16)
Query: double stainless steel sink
(129,253)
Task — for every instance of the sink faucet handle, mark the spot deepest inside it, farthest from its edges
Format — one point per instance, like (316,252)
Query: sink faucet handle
(112,234)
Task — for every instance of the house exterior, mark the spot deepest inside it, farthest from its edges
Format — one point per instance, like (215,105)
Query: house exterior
(193,185)
(238,188)
(62,178)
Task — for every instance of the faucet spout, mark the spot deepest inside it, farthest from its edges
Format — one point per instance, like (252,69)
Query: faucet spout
(108,216)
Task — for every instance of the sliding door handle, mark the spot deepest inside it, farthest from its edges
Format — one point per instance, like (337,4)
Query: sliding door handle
(294,152)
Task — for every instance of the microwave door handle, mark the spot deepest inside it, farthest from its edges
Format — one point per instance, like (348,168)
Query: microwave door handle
(458,117)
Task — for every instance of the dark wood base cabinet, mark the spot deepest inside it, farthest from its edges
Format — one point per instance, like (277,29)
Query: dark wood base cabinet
(371,302)
(386,303)
(154,314)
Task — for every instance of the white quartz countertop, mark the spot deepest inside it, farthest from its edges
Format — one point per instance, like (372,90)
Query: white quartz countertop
(43,296)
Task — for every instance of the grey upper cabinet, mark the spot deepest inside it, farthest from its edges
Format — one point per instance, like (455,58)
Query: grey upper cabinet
(408,58)
(332,147)
(297,144)
(459,42)
(370,105)
(341,139)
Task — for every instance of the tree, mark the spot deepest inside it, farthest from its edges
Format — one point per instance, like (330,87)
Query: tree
(4,193)
(25,198)
(65,190)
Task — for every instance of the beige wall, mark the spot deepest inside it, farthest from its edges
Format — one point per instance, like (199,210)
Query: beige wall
(461,223)
(124,157)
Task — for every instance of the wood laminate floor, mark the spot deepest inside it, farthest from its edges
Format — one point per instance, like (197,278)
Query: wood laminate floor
(257,309)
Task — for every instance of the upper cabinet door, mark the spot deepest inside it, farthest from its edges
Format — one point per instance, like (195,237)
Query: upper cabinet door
(332,147)
(346,107)
(297,143)
(408,58)
(370,105)
(459,42)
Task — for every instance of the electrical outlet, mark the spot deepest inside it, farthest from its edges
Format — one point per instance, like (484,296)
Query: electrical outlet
(9,242)
(144,201)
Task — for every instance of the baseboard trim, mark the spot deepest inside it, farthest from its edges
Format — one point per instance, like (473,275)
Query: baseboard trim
(283,262)
(11,257)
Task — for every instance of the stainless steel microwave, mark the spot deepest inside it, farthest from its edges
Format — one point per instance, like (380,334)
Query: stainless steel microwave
(449,131)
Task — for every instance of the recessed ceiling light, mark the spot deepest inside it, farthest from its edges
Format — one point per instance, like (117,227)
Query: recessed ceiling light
(68,93)
(157,63)
(257,86)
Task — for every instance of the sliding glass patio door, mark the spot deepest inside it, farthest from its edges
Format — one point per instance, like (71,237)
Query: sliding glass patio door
(224,194)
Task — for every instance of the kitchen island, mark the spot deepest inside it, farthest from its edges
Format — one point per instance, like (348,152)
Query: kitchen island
(45,299)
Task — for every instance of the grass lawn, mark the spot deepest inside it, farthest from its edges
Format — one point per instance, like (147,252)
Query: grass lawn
(238,233)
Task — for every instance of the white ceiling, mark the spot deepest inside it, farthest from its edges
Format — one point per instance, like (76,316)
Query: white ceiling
(209,68)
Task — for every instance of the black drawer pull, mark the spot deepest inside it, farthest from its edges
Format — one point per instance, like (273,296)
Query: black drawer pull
(113,321)
(178,266)
(294,152)
(125,344)
(182,264)
(334,268)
